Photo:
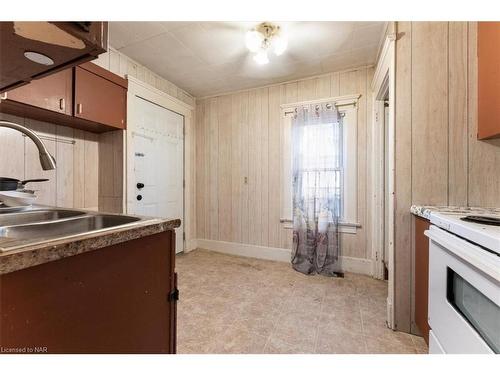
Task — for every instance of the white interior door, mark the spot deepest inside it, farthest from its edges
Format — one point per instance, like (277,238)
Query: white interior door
(156,174)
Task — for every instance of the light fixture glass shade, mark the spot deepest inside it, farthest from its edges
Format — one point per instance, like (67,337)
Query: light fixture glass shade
(254,40)
(280,43)
(261,57)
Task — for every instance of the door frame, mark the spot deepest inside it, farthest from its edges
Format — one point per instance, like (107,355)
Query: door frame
(138,88)
(383,83)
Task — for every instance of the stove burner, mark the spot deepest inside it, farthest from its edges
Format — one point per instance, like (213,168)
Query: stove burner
(488,220)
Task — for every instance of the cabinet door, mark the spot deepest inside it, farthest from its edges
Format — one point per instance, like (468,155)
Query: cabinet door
(99,99)
(53,92)
(488,54)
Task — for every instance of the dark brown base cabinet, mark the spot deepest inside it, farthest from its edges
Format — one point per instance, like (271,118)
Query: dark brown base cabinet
(422,277)
(111,300)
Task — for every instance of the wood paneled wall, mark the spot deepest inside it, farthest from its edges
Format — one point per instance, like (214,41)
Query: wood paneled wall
(74,183)
(439,160)
(111,171)
(239,154)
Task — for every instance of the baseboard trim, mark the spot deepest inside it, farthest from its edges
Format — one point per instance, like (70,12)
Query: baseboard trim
(345,264)
(246,250)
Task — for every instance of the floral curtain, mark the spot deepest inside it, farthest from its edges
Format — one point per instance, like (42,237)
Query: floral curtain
(317,155)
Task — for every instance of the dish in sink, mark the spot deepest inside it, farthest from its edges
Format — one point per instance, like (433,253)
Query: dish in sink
(17,198)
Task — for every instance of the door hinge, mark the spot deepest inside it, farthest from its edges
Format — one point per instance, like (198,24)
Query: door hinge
(173,295)
(184,236)
(183,183)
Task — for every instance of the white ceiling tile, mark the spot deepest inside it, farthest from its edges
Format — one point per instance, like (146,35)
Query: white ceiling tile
(360,24)
(215,45)
(307,39)
(172,25)
(367,35)
(122,34)
(163,54)
(339,62)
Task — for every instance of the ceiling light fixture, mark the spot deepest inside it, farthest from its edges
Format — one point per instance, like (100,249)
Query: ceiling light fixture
(264,37)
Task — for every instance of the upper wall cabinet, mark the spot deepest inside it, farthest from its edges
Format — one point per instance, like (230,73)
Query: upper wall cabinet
(488,50)
(31,50)
(86,97)
(100,96)
(52,93)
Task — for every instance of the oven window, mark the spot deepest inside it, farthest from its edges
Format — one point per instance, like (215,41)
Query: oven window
(481,312)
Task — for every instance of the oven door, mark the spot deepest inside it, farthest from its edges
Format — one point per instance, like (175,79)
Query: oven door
(464,294)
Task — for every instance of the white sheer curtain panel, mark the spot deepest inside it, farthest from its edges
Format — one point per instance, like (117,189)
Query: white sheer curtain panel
(317,175)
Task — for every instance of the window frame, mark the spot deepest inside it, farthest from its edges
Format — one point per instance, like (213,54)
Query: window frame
(348,109)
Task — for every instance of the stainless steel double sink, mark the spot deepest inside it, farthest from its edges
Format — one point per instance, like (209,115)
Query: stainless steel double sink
(26,226)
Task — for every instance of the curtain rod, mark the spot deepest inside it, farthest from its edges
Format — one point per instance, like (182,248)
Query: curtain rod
(328,106)
(338,101)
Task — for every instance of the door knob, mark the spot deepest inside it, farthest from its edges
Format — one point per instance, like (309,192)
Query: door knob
(140,185)
(139,197)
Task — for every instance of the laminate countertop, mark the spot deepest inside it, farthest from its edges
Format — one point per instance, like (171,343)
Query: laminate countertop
(425,211)
(33,254)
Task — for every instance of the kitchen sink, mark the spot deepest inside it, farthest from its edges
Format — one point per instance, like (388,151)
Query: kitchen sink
(30,217)
(39,224)
(66,227)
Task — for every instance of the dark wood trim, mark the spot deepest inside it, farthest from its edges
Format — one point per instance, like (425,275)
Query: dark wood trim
(422,277)
(173,305)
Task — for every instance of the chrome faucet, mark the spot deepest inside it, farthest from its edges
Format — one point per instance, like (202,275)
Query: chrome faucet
(46,159)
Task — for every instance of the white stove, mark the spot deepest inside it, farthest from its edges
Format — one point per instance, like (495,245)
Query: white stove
(485,235)
(464,282)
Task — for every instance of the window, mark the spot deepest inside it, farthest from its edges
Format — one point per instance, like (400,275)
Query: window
(318,180)
(346,188)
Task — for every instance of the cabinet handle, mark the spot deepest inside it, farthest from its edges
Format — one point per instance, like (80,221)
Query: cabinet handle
(62,104)
(3,96)
(79,109)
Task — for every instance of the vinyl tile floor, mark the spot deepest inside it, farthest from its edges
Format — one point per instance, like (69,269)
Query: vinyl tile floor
(231,304)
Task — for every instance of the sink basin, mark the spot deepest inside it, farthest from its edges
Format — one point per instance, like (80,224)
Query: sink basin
(30,217)
(65,227)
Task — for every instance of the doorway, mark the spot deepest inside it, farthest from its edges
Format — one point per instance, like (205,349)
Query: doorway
(383,169)
(156,163)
